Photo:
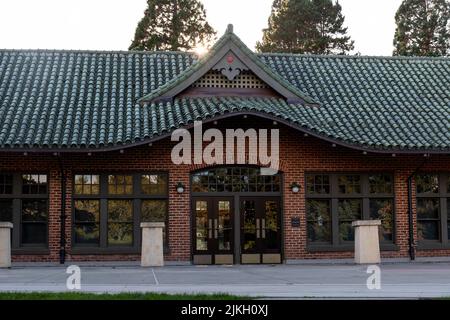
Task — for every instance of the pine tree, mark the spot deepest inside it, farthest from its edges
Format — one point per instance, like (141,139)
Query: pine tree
(172,25)
(306,26)
(423,28)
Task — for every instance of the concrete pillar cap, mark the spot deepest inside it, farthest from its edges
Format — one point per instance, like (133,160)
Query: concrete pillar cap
(360,223)
(6,225)
(152,225)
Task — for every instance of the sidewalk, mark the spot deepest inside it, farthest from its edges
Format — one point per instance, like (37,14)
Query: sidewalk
(401,280)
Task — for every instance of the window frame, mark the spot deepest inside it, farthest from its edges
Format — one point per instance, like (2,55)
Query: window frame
(334,196)
(443,196)
(136,197)
(17,196)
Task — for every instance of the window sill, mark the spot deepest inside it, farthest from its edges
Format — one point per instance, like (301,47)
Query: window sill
(342,248)
(30,251)
(107,251)
(433,246)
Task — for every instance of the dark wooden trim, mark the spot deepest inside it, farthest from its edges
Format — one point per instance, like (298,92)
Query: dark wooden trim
(229,92)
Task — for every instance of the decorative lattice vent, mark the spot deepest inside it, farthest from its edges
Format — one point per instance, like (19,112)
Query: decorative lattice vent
(214,79)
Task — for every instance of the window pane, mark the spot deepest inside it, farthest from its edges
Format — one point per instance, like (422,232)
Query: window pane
(382,209)
(155,184)
(235,180)
(120,184)
(120,234)
(348,211)
(428,208)
(87,184)
(87,233)
(317,184)
(349,184)
(34,210)
(201,223)
(120,226)
(5,210)
(6,183)
(319,222)
(34,184)
(120,210)
(380,183)
(427,183)
(154,211)
(34,233)
(87,210)
(428,230)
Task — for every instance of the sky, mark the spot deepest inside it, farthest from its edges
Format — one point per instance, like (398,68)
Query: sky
(110,24)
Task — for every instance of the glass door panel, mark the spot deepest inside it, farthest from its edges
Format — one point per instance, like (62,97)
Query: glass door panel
(201,223)
(249,226)
(225,228)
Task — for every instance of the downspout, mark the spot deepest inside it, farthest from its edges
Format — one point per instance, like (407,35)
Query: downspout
(62,244)
(412,251)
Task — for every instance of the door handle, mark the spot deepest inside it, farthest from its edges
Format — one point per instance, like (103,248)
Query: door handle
(258,229)
(216,228)
(210,227)
(263,228)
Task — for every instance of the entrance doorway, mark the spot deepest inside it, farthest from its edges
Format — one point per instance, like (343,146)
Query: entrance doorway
(236,217)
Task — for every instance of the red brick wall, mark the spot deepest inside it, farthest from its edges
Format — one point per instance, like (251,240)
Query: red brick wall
(298,154)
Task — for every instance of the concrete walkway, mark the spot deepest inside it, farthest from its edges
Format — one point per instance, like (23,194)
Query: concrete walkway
(401,280)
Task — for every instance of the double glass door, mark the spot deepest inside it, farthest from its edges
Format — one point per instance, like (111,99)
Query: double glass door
(213,230)
(247,233)
(260,230)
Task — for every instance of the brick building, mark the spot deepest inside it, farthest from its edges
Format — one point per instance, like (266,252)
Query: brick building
(85,154)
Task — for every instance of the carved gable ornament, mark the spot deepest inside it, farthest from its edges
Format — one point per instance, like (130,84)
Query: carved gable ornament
(230,66)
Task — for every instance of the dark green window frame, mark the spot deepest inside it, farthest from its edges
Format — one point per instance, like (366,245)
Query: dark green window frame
(337,190)
(17,193)
(433,190)
(134,194)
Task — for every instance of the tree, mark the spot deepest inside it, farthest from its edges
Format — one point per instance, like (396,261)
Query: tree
(306,26)
(423,28)
(172,25)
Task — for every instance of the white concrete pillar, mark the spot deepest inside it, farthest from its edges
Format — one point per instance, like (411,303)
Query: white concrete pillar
(367,244)
(5,244)
(152,244)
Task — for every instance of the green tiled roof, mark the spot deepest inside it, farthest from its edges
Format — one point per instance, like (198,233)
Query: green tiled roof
(77,100)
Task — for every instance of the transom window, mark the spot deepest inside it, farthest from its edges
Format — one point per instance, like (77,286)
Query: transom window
(433,208)
(108,208)
(237,179)
(334,201)
(24,202)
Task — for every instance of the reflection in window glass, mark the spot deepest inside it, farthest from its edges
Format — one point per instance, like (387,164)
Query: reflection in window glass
(34,221)
(87,184)
(120,222)
(318,215)
(34,184)
(120,185)
(87,221)
(6,182)
(318,184)
(201,222)
(6,210)
(235,180)
(154,184)
(383,209)
(349,184)
(427,183)
(428,218)
(349,210)
(380,183)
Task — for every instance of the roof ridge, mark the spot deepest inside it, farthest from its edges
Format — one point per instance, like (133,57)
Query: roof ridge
(337,56)
(98,51)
